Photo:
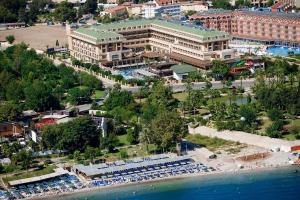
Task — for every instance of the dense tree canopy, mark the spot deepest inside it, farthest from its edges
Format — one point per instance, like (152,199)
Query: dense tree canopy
(65,12)
(118,98)
(78,134)
(221,4)
(166,129)
(278,95)
(31,81)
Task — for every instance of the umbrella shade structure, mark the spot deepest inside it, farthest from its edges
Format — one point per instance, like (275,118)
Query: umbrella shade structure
(155,161)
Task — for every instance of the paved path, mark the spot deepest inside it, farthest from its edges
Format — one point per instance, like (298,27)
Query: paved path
(246,138)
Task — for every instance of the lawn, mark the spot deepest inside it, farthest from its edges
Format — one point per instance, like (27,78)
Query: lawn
(212,144)
(290,137)
(294,124)
(123,140)
(180,96)
(132,151)
(47,170)
(98,94)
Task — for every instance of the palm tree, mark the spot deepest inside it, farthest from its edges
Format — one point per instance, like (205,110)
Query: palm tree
(242,76)
(291,78)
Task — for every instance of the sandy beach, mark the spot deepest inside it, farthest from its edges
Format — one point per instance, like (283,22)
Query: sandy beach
(165,179)
(225,164)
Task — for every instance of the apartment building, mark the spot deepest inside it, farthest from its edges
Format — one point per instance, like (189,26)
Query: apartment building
(117,41)
(218,19)
(266,27)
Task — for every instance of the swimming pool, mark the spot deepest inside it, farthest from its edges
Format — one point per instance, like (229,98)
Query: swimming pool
(130,73)
(282,51)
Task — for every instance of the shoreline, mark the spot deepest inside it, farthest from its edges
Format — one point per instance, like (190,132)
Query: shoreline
(165,179)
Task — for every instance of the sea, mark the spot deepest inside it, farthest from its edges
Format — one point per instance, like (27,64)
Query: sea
(281,184)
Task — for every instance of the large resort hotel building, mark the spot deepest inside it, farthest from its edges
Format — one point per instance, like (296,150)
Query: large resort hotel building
(125,40)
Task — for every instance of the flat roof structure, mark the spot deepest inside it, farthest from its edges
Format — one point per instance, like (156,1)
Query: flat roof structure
(104,169)
(145,73)
(38,178)
(272,14)
(104,30)
(99,34)
(183,68)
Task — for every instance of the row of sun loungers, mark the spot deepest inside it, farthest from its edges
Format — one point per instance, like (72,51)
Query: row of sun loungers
(162,172)
(65,183)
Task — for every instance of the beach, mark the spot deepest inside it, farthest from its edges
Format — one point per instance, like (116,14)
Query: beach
(165,179)
(225,164)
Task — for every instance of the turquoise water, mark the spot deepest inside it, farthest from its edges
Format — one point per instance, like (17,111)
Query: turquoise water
(282,51)
(283,184)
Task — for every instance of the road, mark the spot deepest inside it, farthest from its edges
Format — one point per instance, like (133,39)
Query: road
(177,87)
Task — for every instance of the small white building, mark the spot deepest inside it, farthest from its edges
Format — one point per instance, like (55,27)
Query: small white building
(106,5)
(150,10)
(198,6)
(181,71)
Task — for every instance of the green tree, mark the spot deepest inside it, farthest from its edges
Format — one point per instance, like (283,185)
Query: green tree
(166,129)
(161,95)
(65,12)
(275,114)
(241,3)
(270,3)
(248,115)
(10,39)
(90,6)
(74,135)
(25,159)
(80,95)
(90,154)
(9,111)
(274,130)
(123,154)
(221,4)
(118,98)
(111,142)
(90,81)
(133,135)
(220,69)
(77,155)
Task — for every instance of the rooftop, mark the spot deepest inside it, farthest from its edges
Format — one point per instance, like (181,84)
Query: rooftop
(98,34)
(183,69)
(58,172)
(104,31)
(215,11)
(272,14)
(103,169)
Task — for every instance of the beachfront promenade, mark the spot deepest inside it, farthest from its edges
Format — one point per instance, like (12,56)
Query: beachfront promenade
(246,138)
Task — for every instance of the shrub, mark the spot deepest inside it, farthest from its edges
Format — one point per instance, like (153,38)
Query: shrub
(123,153)
(275,114)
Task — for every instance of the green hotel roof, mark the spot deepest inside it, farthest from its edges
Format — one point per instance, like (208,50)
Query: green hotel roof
(99,35)
(105,30)
(183,69)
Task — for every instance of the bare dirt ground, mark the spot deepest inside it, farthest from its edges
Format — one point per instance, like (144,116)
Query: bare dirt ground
(39,36)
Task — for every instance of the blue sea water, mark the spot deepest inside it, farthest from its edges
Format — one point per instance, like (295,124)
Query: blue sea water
(281,184)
